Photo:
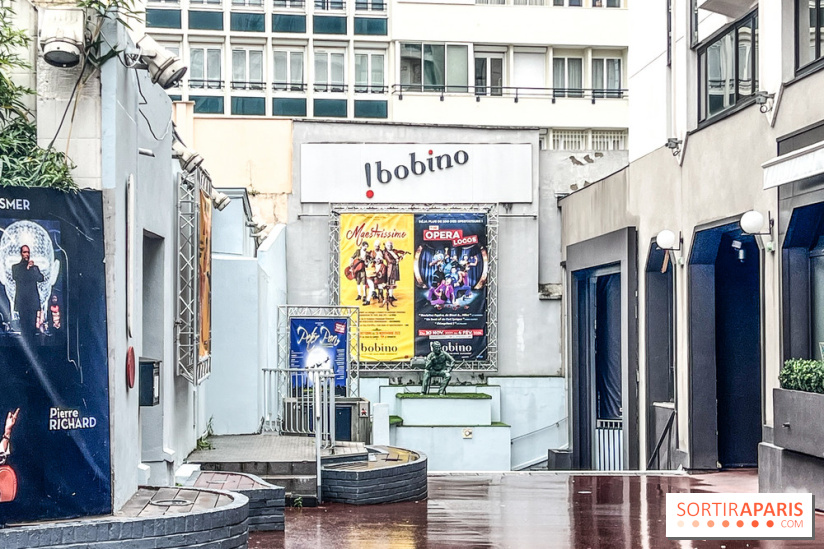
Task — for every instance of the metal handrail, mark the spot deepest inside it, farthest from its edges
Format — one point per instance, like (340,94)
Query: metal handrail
(367,5)
(546,428)
(247,85)
(514,92)
(289,86)
(330,5)
(656,454)
(205,84)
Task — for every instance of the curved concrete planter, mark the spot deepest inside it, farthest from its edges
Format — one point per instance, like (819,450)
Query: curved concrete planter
(797,421)
(402,482)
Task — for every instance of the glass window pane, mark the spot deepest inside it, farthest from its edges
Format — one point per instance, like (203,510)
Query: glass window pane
(337,69)
(496,75)
(577,3)
(457,69)
(361,72)
(613,74)
(296,69)
(597,74)
(238,65)
(720,84)
(279,76)
(806,31)
(255,66)
(434,68)
(559,76)
(819,51)
(411,66)
(213,65)
(575,76)
(745,60)
(196,64)
(377,72)
(480,75)
(321,71)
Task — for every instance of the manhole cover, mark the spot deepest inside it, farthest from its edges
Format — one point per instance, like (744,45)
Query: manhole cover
(171,502)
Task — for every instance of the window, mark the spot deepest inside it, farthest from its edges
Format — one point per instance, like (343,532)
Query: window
(489,73)
(288,70)
(330,5)
(606,77)
(248,3)
(212,3)
(247,69)
(167,2)
(205,67)
(669,33)
(606,3)
(568,76)
(329,70)
(370,5)
(571,3)
(727,68)
(809,31)
(434,67)
(289,3)
(369,71)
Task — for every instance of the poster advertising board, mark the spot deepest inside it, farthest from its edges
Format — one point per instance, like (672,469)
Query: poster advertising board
(417,278)
(54,401)
(319,343)
(204,273)
(376,274)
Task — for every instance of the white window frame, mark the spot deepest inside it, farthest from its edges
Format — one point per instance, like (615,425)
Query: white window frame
(256,5)
(248,83)
(370,86)
(328,85)
(207,83)
(603,90)
(216,4)
(488,88)
(289,85)
(447,86)
(164,2)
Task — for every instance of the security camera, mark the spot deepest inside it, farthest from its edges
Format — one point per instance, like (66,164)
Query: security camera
(61,35)
(220,200)
(164,67)
(188,158)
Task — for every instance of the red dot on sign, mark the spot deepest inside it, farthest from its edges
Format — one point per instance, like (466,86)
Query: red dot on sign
(740,523)
(695,524)
(430,151)
(370,193)
(754,523)
(770,524)
(710,523)
(725,523)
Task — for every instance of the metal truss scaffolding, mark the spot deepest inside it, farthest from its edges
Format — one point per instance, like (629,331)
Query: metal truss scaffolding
(491,211)
(189,365)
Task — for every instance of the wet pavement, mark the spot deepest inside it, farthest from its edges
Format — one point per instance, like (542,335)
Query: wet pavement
(525,510)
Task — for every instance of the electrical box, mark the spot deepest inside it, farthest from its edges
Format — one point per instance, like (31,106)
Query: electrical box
(149,383)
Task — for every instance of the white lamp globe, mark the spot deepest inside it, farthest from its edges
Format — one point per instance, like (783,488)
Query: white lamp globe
(752,222)
(665,240)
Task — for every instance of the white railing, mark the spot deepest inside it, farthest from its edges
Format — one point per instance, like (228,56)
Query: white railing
(300,402)
(609,445)
(588,140)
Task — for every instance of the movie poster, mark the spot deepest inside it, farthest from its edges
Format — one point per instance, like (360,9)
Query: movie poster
(204,273)
(319,343)
(54,403)
(451,269)
(376,274)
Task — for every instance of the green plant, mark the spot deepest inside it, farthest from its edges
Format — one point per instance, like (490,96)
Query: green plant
(297,502)
(802,375)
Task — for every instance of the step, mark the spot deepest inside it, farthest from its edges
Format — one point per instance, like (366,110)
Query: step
(303,485)
(451,409)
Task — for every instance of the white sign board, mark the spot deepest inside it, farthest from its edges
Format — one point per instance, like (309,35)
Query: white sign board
(415,173)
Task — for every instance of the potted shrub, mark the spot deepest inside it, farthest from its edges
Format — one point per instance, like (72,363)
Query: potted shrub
(798,406)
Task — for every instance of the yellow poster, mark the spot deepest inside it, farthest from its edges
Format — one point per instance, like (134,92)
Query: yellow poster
(376,274)
(204,272)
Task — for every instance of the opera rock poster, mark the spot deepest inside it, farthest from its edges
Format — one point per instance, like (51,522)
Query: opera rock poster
(451,274)
(54,398)
(376,274)
(204,274)
(319,344)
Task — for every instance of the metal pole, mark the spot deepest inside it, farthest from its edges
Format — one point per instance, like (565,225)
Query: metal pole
(318,433)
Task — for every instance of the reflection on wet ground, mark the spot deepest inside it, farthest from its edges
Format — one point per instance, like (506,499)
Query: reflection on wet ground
(524,510)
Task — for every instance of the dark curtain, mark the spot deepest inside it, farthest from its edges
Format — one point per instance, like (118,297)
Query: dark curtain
(608,347)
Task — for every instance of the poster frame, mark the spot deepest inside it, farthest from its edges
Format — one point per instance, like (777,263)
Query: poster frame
(490,363)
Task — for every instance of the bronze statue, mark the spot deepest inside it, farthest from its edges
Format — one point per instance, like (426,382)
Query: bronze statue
(439,363)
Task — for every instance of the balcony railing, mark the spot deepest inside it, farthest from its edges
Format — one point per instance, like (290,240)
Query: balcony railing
(206,84)
(512,92)
(361,88)
(245,85)
(333,88)
(289,86)
(367,5)
(280,4)
(330,5)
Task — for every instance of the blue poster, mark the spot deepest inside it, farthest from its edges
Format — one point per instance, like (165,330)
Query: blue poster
(54,398)
(319,343)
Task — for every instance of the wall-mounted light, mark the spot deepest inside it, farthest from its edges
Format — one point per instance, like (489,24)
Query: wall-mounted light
(674,144)
(189,159)
(61,35)
(764,101)
(752,223)
(666,240)
(165,68)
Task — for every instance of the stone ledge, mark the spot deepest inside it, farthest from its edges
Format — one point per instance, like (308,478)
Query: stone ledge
(266,501)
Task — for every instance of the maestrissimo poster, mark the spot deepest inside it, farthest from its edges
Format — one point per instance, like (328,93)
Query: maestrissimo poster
(417,278)
(54,399)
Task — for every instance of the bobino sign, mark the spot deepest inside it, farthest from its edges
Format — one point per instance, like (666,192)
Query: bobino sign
(319,344)
(440,173)
(54,399)
(740,516)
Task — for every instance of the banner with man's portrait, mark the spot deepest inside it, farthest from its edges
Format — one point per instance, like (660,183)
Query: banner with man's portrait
(54,403)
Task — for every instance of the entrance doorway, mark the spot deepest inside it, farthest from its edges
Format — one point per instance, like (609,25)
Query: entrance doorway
(725,345)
